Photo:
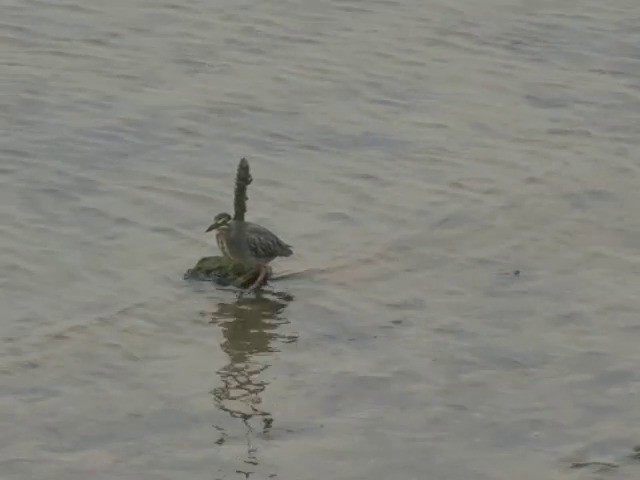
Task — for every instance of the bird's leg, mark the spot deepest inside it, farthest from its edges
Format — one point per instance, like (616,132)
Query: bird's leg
(260,279)
(244,278)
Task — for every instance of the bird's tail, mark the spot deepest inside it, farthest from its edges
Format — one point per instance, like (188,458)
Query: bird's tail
(243,179)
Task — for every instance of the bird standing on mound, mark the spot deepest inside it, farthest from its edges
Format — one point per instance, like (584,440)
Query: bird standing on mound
(248,243)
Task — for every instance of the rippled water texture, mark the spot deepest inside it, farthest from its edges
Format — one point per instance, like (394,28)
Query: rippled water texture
(415,153)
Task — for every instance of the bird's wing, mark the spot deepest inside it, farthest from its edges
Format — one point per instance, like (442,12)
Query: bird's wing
(263,243)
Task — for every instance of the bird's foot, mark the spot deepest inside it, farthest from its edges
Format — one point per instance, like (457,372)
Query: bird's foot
(244,279)
(261,280)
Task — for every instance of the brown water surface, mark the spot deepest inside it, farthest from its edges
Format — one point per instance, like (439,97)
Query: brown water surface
(415,153)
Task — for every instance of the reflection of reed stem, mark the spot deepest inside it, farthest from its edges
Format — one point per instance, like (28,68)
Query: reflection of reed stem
(243,179)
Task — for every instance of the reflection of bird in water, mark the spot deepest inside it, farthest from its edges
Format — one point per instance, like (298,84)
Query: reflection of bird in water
(249,327)
(248,244)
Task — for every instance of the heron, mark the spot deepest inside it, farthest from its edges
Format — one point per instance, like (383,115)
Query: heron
(248,243)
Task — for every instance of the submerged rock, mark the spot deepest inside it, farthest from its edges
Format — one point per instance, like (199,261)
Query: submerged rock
(223,272)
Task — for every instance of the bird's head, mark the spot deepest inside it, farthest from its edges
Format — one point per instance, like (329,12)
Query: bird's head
(220,220)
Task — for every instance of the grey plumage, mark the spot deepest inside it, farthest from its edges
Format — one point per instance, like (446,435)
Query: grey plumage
(264,244)
(246,242)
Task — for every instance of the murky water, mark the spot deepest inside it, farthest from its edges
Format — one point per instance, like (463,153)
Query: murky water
(415,153)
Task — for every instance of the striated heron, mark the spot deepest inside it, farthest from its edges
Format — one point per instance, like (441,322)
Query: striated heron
(248,244)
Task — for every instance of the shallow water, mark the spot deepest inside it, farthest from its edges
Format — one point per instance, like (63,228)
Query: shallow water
(416,154)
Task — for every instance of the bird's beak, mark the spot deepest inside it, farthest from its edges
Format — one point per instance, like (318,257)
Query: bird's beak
(213,226)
